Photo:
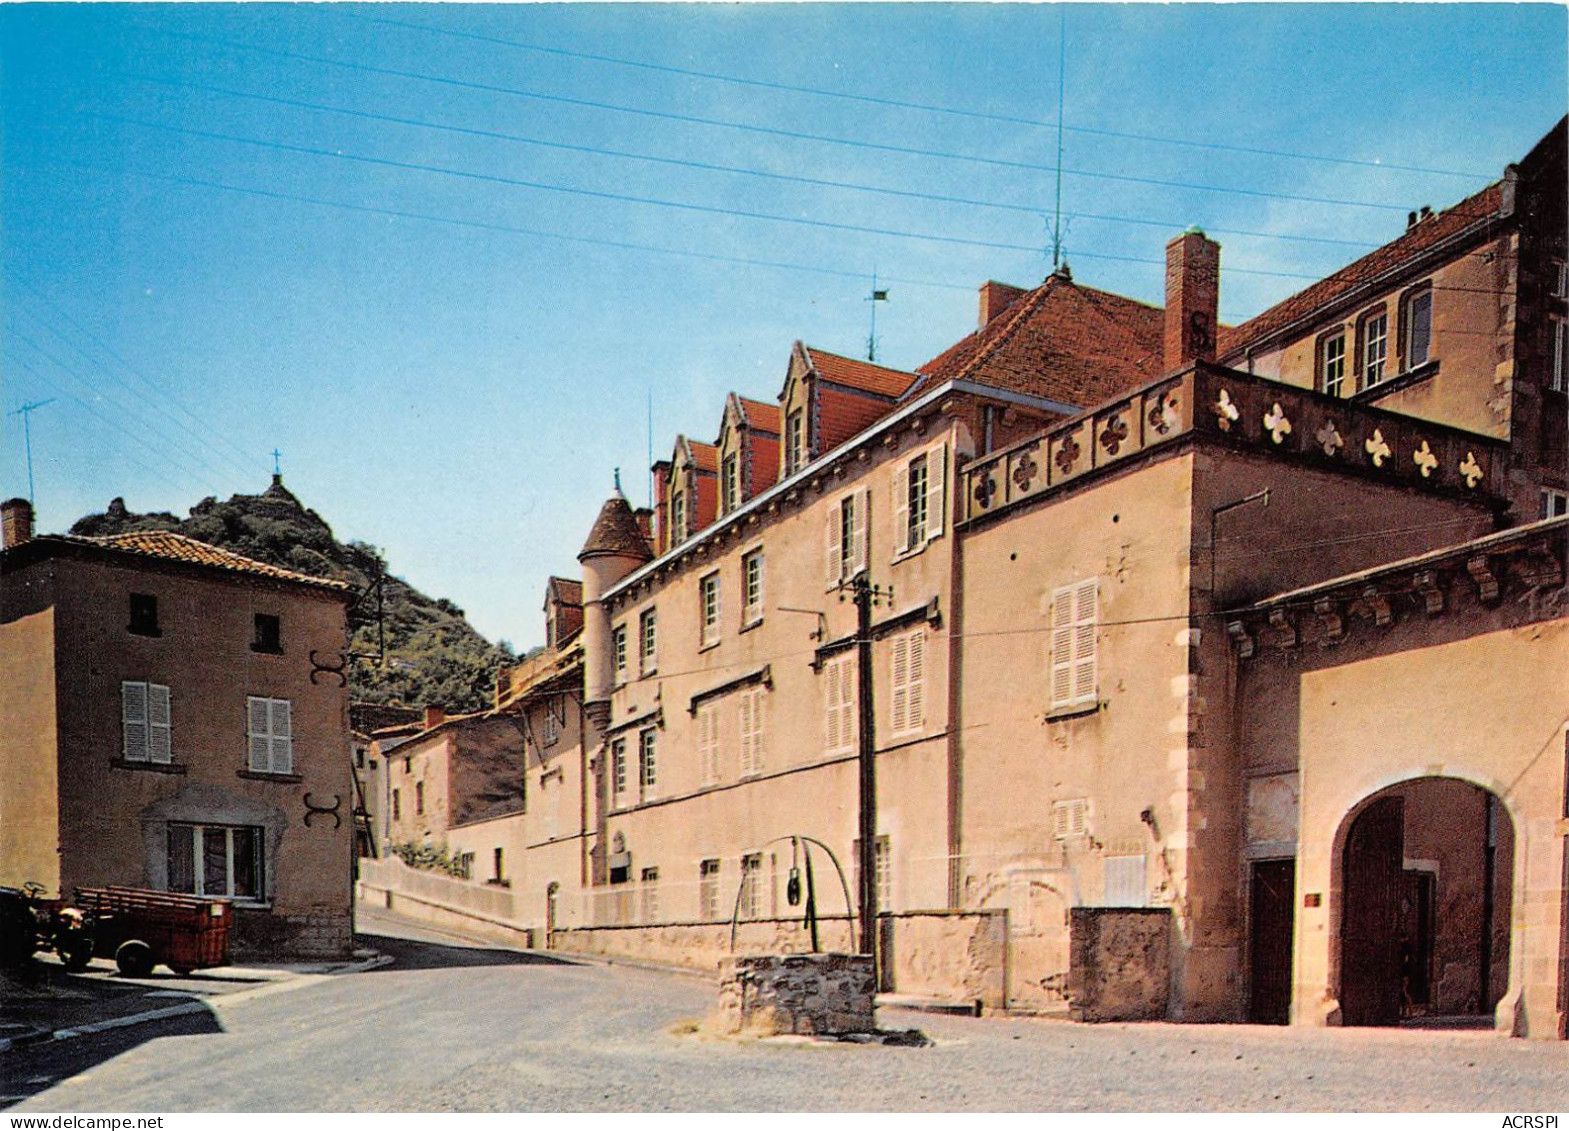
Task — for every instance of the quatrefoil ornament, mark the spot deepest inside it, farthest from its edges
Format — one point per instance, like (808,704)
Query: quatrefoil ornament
(1024,472)
(1471,470)
(1276,424)
(1377,448)
(1162,415)
(1425,460)
(1329,438)
(1226,411)
(1112,436)
(985,490)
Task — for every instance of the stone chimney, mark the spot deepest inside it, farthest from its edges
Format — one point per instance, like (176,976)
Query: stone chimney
(16,523)
(1192,299)
(995,298)
(434,716)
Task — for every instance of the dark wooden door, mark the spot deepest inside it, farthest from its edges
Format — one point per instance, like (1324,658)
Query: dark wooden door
(1273,907)
(1372,927)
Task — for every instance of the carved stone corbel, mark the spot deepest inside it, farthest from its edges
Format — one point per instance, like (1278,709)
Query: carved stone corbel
(1328,613)
(1281,623)
(1426,583)
(1240,639)
(1481,570)
(1377,602)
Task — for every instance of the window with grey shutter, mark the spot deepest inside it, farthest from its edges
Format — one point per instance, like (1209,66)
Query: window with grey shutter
(269,735)
(133,717)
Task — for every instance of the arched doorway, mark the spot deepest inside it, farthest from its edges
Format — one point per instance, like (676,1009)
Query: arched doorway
(1426,881)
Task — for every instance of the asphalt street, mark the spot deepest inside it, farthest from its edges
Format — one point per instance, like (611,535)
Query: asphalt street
(449,1026)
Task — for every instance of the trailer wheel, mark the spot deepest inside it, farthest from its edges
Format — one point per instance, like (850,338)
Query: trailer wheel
(134,958)
(76,953)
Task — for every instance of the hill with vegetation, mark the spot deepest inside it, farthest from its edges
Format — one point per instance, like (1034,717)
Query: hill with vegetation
(432,654)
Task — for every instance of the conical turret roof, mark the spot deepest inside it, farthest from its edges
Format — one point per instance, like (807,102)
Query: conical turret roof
(616,531)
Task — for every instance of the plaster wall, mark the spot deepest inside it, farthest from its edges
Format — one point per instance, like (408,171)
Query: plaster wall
(114,816)
(29,755)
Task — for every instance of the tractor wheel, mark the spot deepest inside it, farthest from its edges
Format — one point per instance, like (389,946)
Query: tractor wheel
(76,952)
(134,958)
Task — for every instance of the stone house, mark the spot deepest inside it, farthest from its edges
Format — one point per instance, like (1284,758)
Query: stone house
(174,716)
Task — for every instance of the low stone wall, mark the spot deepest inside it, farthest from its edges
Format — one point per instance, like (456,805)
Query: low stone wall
(442,901)
(700,946)
(807,994)
(1119,963)
(324,932)
(960,955)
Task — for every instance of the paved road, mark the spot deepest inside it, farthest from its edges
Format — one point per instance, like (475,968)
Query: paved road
(450,1027)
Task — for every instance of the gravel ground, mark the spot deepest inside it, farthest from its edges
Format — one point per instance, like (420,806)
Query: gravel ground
(455,1028)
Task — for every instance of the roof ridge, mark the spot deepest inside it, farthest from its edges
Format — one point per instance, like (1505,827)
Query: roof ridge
(1027,304)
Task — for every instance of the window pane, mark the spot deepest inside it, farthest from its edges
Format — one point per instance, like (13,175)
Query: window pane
(182,870)
(247,863)
(215,862)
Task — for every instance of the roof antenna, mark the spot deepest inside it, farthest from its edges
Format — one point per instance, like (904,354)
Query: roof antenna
(876,297)
(619,491)
(1062,61)
(26,413)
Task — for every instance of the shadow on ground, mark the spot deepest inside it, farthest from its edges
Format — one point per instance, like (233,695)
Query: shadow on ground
(407,954)
(29,1069)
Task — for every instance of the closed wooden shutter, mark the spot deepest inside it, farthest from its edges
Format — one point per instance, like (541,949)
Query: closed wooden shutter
(1084,612)
(1062,647)
(936,489)
(901,508)
(759,730)
(747,733)
(915,680)
(133,717)
(259,731)
(708,743)
(282,712)
(899,714)
(860,519)
(835,544)
(159,747)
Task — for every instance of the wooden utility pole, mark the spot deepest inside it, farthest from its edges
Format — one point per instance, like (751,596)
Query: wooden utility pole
(864,595)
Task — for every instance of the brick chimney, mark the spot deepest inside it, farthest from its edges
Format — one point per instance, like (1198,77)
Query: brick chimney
(434,717)
(16,523)
(995,298)
(1192,299)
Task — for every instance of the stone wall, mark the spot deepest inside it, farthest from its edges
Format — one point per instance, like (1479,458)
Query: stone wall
(948,954)
(1119,965)
(806,994)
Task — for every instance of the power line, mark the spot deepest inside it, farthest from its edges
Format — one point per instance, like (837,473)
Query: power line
(153,388)
(685,206)
(819,182)
(982,115)
(692,119)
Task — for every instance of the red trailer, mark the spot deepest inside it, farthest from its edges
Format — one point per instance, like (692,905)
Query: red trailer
(142,928)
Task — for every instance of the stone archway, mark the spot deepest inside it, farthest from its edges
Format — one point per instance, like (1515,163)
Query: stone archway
(1426,874)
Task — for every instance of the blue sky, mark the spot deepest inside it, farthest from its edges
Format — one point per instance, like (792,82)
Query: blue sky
(230,228)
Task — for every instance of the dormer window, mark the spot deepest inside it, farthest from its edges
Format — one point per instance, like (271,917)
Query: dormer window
(677,519)
(730,481)
(144,615)
(795,441)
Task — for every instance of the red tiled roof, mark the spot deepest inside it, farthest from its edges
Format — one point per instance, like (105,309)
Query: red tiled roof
(177,547)
(705,457)
(1062,341)
(760,415)
(1438,227)
(864,375)
(567,590)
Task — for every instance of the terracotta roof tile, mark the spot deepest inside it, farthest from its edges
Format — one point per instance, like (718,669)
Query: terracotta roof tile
(177,547)
(568,591)
(616,532)
(1062,341)
(760,415)
(705,457)
(864,375)
(1422,236)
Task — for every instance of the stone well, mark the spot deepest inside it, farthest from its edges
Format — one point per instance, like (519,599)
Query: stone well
(806,994)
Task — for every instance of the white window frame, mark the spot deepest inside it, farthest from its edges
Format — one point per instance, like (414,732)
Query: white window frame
(199,860)
(750,899)
(677,518)
(848,528)
(1373,355)
(708,881)
(648,761)
(753,730)
(1332,367)
(146,723)
(841,730)
(1554,503)
(271,746)
(709,608)
(882,869)
(730,481)
(648,882)
(648,641)
(618,771)
(1558,376)
(752,586)
(1075,627)
(618,637)
(795,441)
(919,515)
(907,683)
(708,742)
